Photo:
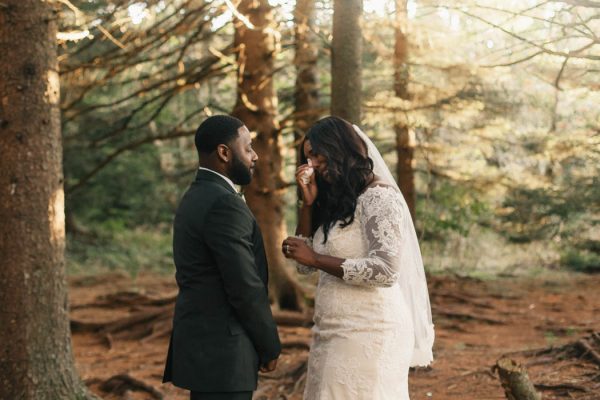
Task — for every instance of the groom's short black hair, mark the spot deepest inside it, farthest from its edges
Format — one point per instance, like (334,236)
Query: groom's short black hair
(216,130)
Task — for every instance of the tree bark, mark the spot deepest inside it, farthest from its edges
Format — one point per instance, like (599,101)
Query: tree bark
(346,60)
(515,381)
(37,361)
(306,95)
(405,146)
(257,106)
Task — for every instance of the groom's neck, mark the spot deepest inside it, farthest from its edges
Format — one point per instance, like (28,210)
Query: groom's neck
(215,166)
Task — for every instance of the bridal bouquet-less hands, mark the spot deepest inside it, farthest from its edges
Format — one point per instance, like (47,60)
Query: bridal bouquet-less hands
(299,249)
(307,173)
(305,179)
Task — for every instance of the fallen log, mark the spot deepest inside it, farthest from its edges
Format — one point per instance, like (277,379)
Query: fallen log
(515,381)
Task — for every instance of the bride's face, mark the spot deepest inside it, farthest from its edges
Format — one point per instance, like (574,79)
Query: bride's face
(319,161)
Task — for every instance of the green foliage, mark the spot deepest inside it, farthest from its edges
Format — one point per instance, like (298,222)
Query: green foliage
(581,260)
(450,207)
(112,248)
(507,154)
(535,214)
(131,191)
(567,214)
(541,213)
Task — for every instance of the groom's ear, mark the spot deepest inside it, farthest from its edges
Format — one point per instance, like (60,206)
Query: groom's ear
(223,153)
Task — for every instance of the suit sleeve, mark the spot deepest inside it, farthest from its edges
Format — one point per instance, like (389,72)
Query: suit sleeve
(228,233)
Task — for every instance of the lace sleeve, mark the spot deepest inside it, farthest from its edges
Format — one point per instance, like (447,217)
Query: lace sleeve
(301,268)
(382,218)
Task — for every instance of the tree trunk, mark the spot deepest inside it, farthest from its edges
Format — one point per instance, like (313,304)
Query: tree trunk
(404,141)
(306,95)
(515,381)
(257,106)
(37,361)
(346,60)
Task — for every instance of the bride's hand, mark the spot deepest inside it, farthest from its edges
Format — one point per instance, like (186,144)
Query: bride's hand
(309,190)
(298,250)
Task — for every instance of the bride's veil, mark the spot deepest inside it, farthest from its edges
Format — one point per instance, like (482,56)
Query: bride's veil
(412,281)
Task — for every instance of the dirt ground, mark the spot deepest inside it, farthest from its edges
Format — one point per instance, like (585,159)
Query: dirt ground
(476,323)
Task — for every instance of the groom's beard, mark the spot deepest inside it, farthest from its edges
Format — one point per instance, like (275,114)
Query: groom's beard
(239,173)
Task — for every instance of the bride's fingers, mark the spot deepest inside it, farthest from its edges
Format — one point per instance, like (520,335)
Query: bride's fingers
(299,176)
(287,248)
(302,168)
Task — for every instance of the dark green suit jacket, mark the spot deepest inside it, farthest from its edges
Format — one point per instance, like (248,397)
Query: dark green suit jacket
(223,326)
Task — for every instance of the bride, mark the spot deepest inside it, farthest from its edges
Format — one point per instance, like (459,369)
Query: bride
(372,314)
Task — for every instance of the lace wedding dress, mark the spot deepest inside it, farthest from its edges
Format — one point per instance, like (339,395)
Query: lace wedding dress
(363,337)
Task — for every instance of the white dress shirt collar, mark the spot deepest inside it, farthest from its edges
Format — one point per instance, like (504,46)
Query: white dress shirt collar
(229,181)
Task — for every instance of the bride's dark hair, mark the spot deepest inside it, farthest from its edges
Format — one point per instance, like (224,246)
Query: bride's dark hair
(349,172)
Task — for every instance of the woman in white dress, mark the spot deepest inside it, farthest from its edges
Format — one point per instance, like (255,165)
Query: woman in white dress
(372,314)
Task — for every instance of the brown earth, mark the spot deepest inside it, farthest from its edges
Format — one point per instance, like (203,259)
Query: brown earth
(476,323)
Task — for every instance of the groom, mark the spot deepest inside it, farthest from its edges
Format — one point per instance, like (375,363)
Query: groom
(223,329)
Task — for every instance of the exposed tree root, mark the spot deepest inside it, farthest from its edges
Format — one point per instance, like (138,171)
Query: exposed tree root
(588,351)
(576,356)
(562,386)
(466,316)
(292,318)
(150,318)
(462,299)
(122,383)
(297,344)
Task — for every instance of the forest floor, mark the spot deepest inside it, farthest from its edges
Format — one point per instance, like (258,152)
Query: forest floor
(550,325)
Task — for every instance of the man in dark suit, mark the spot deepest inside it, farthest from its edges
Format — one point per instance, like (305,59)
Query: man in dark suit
(223,329)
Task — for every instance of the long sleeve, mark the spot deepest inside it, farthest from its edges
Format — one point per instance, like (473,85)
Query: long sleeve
(228,233)
(305,269)
(382,216)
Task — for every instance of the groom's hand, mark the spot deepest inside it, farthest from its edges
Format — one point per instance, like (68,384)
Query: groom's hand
(269,366)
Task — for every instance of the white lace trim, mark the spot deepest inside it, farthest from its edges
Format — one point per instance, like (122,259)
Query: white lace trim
(382,218)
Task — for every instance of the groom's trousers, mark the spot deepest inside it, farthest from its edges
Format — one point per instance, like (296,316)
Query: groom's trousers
(220,395)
